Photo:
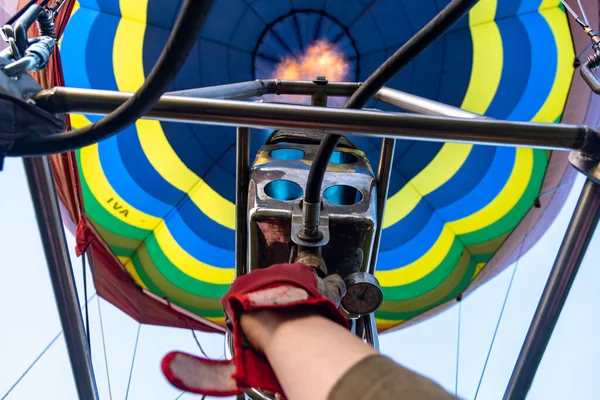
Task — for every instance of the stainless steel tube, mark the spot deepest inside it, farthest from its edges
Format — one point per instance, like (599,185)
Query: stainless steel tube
(234,91)
(421,105)
(259,87)
(242,178)
(45,203)
(322,119)
(339,89)
(383,183)
(371,334)
(571,253)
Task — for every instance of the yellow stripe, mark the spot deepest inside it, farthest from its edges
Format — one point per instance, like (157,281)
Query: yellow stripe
(555,102)
(444,165)
(129,75)
(128,264)
(387,323)
(478,269)
(107,196)
(166,162)
(551,4)
(134,9)
(487,62)
(128,46)
(216,320)
(421,267)
(504,201)
(188,264)
(482,12)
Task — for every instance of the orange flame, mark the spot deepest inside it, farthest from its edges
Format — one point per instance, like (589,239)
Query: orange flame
(320,59)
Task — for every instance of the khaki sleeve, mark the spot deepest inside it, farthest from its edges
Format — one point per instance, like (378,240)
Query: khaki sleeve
(378,377)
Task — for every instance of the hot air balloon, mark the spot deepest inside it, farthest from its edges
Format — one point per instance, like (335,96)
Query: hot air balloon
(155,205)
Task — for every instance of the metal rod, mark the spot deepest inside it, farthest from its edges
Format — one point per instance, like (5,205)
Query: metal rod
(242,152)
(259,87)
(383,183)
(570,255)
(333,89)
(45,203)
(322,119)
(371,333)
(234,91)
(421,105)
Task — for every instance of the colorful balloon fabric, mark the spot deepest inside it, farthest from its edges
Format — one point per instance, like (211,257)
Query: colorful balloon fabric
(162,195)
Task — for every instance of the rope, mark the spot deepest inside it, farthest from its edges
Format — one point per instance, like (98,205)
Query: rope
(133,361)
(487,358)
(32,365)
(199,346)
(458,345)
(87,313)
(104,349)
(37,359)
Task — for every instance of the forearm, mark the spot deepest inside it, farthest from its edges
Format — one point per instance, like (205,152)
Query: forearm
(308,352)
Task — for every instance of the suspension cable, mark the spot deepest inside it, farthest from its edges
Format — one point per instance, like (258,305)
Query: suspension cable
(104,349)
(34,362)
(487,358)
(137,338)
(459,300)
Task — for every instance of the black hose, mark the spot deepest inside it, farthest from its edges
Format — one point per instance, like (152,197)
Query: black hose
(404,55)
(181,41)
(45,25)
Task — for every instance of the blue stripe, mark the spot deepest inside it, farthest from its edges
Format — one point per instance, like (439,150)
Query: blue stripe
(507,8)
(204,227)
(116,174)
(544,61)
(90,4)
(465,180)
(529,6)
(414,249)
(407,228)
(100,68)
(74,44)
(196,246)
(142,171)
(516,68)
(492,183)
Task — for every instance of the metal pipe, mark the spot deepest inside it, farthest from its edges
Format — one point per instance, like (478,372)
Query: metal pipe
(234,91)
(45,203)
(421,105)
(333,89)
(371,334)
(242,177)
(384,172)
(322,119)
(570,255)
(259,87)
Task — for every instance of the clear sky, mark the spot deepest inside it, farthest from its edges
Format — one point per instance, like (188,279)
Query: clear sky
(29,322)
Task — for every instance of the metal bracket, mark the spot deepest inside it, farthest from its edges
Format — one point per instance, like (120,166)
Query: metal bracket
(586,163)
(297,227)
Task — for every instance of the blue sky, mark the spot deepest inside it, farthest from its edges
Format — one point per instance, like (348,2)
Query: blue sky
(30,322)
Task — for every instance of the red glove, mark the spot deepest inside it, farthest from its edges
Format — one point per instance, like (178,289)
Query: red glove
(279,286)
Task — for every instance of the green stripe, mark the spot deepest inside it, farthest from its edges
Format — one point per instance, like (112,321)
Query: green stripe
(121,252)
(212,311)
(428,282)
(431,297)
(516,214)
(177,277)
(98,213)
(411,314)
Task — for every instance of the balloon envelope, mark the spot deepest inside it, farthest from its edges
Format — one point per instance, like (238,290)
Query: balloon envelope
(159,198)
